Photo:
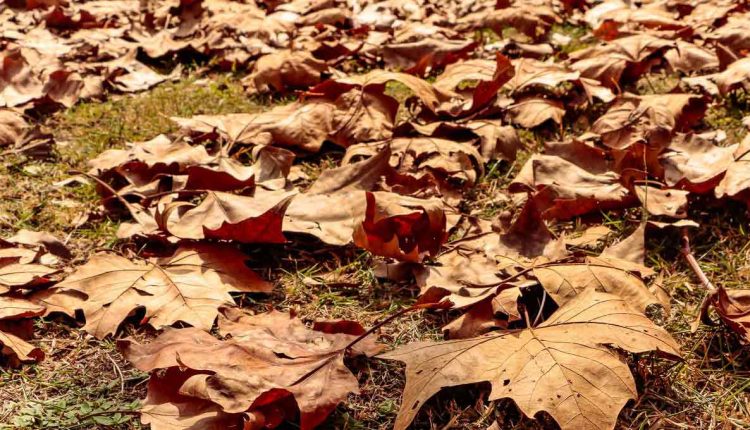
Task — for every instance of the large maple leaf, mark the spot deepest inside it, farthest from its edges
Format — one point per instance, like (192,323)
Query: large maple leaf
(561,366)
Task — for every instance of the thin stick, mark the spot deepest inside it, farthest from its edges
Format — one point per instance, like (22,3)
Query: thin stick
(541,308)
(115,194)
(690,258)
(119,411)
(380,324)
(355,341)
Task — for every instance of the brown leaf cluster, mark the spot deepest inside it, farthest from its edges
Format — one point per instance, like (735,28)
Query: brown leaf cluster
(419,111)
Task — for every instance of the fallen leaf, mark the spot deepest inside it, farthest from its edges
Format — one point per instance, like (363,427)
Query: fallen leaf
(14,325)
(256,219)
(284,70)
(733,307)
(188,286)
(401,227)
(268,357)
(582,385)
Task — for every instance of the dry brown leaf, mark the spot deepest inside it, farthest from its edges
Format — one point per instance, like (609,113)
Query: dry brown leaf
(733,307)
(737,177)
(400,227)
(15,275)
(579,381)
(335,203)
(188,286)
(426,166)
(143,160)
(268,357)
(284,70)
(492,313)
(566,281)
(590,237)
(629,56)
(12,127)
(530,112)
(650,119)
(566,189)
(666,202)
(417,47)
(693,163)
(165,408)
(255,219)
(15,326)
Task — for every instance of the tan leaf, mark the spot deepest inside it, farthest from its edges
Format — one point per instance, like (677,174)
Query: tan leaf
(737,176)
(733,307)
(565,281)
(189,286)
(400,227)
(12,127)
(256,219)
(663,201)
(267,356)
(533,111)
(490,314)
(15,311)
(335,203)
(165,408)
(567,189)
(284,70)
(693,163)
(590,237)
(561,367)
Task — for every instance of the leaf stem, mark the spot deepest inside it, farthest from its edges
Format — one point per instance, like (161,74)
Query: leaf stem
(113,412)
(381,324)
(693,262)
(690,258)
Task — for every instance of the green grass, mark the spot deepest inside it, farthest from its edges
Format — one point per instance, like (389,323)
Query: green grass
(726,113)
(82,384)
(94,127)
(579,37)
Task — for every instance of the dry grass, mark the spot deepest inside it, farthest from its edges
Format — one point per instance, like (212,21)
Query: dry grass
(709,389)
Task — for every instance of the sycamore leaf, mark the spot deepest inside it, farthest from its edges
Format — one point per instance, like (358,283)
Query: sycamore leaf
(15,325)
(188,286)
(733,307)
(694,163)
(335,203)
(561,367)
(268,357)
(284,70)
(737,176)
(401,227)
(530,112)
(256,219)
(565,281)
(12,127)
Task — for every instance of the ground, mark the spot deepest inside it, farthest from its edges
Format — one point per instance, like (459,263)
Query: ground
(85,383)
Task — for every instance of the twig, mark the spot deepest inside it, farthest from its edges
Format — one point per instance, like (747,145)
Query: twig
(359,339)
(693,263)
(541,308)
(117,411)
(690,258)
(119,373)
(381,324)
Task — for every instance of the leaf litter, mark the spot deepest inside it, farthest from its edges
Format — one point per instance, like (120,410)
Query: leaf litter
(545,314)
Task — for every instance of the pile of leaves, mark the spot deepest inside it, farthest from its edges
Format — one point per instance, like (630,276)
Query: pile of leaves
(548,322)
